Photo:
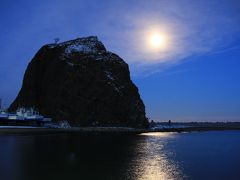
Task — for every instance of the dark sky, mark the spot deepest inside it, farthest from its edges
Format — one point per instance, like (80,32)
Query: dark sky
(194,77)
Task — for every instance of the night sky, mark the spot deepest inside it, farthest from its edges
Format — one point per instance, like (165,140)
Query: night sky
(194,77)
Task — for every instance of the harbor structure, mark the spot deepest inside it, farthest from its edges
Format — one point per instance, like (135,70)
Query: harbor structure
(23,117)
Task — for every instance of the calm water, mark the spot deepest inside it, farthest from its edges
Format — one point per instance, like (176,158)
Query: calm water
(198,155)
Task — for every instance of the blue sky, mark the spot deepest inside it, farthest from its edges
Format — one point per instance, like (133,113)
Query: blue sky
(196,78)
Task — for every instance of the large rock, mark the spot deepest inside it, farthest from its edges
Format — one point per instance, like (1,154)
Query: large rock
(81,82)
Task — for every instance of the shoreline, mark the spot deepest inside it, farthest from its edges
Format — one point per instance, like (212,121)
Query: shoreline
(73,130)
(108,130)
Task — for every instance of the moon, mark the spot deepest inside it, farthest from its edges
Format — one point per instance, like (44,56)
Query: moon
(157,41)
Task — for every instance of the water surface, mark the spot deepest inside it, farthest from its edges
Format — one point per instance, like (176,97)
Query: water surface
(154,156)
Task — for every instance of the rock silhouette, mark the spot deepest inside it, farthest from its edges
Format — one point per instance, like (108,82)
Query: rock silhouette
(80,81)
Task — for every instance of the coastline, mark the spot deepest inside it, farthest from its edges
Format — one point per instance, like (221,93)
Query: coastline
(109,130)
(73,130)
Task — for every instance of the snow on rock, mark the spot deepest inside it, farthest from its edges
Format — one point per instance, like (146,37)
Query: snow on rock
(51,46)
(79,48)
(70,64)
(99,58)
(86,45)
(109,75)
(115,87)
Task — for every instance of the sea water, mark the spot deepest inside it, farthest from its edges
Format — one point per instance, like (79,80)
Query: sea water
(212,155)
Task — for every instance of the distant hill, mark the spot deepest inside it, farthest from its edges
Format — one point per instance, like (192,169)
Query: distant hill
(80,81)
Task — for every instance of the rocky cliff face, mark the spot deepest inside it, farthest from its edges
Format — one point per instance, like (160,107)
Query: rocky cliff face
(80,81)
